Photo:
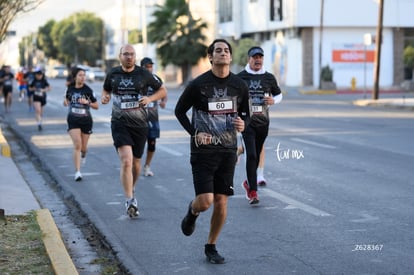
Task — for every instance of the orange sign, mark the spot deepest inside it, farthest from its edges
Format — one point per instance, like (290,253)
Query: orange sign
(353,56)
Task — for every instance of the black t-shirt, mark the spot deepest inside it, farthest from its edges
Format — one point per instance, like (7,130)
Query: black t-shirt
(39,84)
(259,84)
(215,102)
(152,107)
(7,80)
(76,109)
(29,76)
(127,88)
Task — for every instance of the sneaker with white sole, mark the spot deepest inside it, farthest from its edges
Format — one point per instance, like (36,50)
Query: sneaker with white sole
(78,176)
(261,181)
(246,188)
(254,199)
(147,171)
(132,208)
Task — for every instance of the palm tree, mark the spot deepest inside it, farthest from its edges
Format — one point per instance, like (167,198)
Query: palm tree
(179,37)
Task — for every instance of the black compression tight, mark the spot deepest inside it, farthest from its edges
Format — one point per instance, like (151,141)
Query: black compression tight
(254,139)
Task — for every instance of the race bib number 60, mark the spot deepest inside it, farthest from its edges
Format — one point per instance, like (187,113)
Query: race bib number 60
(222,105)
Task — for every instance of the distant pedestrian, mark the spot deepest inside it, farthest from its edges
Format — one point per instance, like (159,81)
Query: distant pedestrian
(7,78)
(22,82)
(40,86)
(29,76)
(80,99)
(128,84)
(219,101)
(153,122)
(263,92)
(1,83)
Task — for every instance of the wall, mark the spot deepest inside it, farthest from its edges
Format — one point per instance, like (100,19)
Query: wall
(350,43)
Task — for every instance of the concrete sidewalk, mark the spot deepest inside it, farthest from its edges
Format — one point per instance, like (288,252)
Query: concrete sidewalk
(16,198)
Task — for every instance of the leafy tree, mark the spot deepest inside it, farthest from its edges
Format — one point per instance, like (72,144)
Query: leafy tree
(44,40)
(134,37)
(179,36)
(78,38)
(240,51)
(27,50)
(9,9)
(408,57)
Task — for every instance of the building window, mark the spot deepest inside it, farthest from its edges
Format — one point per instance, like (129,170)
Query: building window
(225,11)
(276,12)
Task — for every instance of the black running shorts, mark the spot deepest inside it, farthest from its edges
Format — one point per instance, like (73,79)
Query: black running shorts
(84,124)
(133,136)
(213,172)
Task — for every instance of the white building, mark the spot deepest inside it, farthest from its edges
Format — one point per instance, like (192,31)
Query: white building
(290,33)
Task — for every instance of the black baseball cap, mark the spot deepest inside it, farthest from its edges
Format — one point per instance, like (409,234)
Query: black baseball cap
(145,61)
(255,50)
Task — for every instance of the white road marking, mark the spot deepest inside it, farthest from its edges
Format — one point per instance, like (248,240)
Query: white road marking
(365,218)
(113,203)
(85,174)
(170,151)
(292,203)
(313,143)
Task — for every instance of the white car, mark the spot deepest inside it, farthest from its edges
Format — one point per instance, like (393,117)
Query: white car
(95,73)
(57,72)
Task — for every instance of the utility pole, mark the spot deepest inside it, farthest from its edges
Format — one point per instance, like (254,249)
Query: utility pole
(378,41)
(320,44)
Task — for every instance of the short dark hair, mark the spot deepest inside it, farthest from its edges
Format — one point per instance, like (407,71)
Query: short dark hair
(210,48)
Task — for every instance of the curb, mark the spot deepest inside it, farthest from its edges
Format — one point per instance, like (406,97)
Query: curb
(349,91)
(58,255)
(60,259)
(5,148)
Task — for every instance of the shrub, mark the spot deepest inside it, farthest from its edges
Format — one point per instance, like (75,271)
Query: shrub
(326,73)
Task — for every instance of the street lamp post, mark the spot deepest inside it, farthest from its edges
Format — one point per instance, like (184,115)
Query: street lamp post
(378,50)
(367,42)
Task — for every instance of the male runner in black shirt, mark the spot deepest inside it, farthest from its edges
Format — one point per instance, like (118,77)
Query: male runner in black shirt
(129,84)
(220,106)
(263,92)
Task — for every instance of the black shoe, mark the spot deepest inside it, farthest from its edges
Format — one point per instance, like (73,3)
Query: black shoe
(212,254)
(39,127)
(188,223)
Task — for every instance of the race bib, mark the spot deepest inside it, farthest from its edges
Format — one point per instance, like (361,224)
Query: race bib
(257,109)
(222,105)
(38,93)
(79,111)
(129,105)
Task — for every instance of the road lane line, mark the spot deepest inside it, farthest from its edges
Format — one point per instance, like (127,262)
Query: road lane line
(313,143)
(296,204)
(170,151)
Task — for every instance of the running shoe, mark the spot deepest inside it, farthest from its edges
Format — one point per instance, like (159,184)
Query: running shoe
(132,208)
(39,127)
(78,176)
(212,255)
(246,188)
(261,181)
(254,199)
(188,223)
(147,171)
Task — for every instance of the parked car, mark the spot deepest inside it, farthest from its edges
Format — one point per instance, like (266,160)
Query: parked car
(58,71)
(95,73)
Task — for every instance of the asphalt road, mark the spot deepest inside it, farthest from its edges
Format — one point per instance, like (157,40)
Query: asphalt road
(339,199)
